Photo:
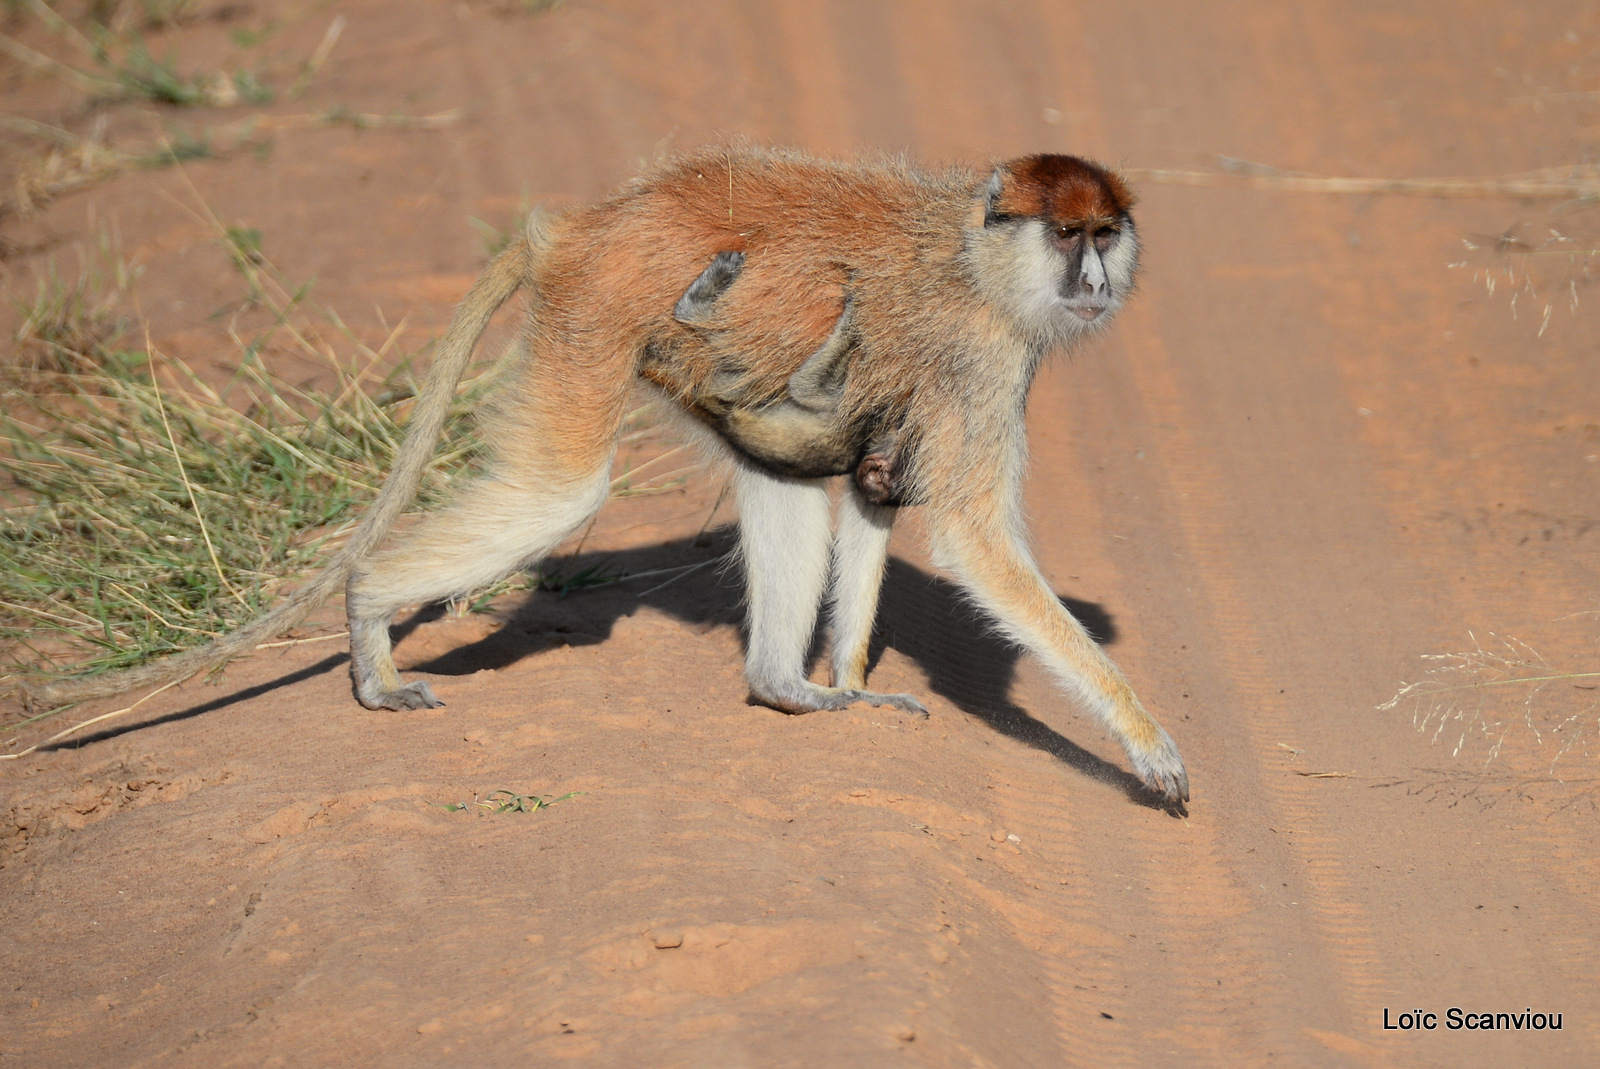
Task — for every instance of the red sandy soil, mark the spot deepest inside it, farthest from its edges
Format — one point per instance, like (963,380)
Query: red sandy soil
(1310,453)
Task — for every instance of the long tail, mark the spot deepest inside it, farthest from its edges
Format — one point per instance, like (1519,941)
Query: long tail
(504,276)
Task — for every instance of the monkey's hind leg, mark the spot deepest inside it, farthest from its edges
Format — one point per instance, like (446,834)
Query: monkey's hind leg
(495,526)
(784,536)
(860,549)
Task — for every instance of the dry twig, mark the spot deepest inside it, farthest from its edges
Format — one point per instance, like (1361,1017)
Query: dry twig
(1576,182)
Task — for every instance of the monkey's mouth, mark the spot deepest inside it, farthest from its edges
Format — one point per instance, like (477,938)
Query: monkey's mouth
(1086,312)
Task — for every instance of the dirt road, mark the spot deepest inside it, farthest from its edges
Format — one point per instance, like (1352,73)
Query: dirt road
(1315,449)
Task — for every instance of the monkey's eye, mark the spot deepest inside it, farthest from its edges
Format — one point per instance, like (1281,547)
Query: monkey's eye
(1105,237)
(1067,237)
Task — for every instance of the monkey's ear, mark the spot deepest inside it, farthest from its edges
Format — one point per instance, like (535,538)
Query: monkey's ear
(991,197)
(537,227)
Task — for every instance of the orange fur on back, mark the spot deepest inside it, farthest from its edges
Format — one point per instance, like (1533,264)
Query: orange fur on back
(810,231)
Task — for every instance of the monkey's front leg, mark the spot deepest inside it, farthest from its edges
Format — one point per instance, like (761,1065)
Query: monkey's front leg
(1003,579)
(784,536)
(860,550)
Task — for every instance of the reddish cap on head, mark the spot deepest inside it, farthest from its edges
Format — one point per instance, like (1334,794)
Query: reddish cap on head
(1059,189)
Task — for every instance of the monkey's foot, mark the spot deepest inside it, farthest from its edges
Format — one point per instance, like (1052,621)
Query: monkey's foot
(416,695)
(803,696)
(1161,768)
(904,702)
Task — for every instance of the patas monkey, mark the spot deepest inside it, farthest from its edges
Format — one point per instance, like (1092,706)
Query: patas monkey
(958,285)
(802,433)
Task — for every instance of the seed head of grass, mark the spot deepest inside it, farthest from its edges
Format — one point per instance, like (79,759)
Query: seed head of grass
(1487,696)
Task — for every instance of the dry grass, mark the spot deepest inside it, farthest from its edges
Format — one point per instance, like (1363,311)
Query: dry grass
(1488,696)
(1544,270)
(69,317)
(68,163)
(109,61)
(147,511)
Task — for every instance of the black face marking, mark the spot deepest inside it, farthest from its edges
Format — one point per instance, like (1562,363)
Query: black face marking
(1068,241)
(1082,245)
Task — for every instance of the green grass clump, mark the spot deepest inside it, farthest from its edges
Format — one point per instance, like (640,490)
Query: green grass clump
(146,511)
(146,519)
(142,76)
(506,801)
(71,322)
(122,67)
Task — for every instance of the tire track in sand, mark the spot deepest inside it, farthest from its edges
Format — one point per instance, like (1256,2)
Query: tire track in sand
(1190,485)
(1203,522)
(1188,966)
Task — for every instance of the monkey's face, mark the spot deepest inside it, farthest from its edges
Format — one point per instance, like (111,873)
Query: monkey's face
(1058,246)
(1096,263)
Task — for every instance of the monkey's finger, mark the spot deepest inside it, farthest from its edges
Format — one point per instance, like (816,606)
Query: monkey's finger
(1173,787)
(1161,768)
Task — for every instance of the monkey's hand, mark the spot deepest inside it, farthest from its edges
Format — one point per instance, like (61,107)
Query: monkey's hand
(1157,762)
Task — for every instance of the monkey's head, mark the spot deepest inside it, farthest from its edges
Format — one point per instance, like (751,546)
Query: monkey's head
(1056,246)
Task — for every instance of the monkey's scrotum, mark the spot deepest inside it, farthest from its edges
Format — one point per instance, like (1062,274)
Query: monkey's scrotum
(959,283)
(882,477)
